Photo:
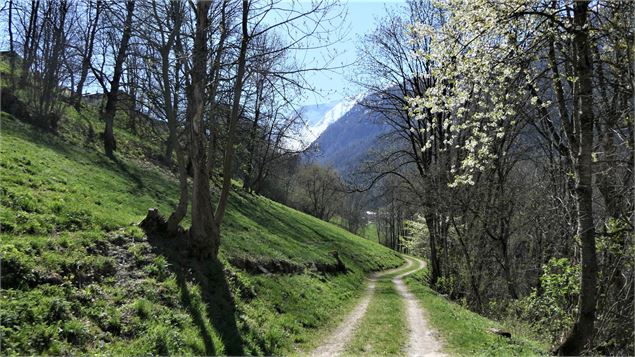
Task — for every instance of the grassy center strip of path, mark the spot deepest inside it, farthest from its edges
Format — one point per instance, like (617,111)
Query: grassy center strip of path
(383,330)
(338,339)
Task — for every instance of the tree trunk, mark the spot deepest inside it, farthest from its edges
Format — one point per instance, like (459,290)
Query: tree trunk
(435,271)
(251,145)
(506,265)
(31,41)
(171,100)
(235,113)
(204,234)
(181,209)
(581,335)
(132,101)
(90,44)
(170,144)
(13,54)
(108,114)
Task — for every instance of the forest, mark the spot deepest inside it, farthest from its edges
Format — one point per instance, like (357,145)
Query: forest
(160,195)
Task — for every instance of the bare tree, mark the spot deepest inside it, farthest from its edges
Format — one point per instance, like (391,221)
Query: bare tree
(111,86)
(88,33)
(318,191)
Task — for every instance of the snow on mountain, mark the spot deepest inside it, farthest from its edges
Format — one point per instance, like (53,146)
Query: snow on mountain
(316,118)
(313,114)
(350,138)
(337,111)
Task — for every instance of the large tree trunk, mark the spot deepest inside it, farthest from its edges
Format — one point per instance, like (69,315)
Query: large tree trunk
(581,335)
(204,234)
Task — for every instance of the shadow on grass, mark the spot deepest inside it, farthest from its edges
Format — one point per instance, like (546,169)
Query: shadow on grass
(140,182)
(122,167)
(219,302)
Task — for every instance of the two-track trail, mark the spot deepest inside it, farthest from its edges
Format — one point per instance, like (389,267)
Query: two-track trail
(422,341)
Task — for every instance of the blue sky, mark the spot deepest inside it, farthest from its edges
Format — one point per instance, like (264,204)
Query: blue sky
(334,85)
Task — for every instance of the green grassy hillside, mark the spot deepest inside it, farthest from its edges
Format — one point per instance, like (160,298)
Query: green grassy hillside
(79,275)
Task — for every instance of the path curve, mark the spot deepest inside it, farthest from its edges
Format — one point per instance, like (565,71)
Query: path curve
(422,340)
(336,343)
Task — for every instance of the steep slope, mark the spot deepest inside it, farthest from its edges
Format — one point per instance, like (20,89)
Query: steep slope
(79,275)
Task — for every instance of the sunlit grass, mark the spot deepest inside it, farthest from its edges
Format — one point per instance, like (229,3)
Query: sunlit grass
(464,332)
(69,218)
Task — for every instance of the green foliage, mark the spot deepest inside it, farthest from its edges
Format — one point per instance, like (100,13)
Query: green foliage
(616,238)
(449,285)
(75,332)
(17,268)
(369,232)
(415,237)
(552,307)
(143,308)
(158,269)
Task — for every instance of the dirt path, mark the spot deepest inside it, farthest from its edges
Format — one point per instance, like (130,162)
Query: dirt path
(422,340)
(336,343)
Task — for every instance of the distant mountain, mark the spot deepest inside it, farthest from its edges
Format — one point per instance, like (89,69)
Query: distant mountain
(346,141)
(316,118)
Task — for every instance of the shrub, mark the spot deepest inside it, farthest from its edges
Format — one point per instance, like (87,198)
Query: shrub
(138,251)
(42,336)
(552,307)
(166,340)
(143,308)
(8,222)
(137,234)
(159,269)
(17,268)
(75,332)
(59,310)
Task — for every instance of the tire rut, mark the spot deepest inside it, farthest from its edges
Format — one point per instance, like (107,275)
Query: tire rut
(423,341)
(336,343)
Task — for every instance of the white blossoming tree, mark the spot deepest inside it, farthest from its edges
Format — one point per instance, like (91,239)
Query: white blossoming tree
(499,61)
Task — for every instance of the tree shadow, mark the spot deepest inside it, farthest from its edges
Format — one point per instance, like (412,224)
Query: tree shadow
(210,276)
(49,140)
(122,167)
